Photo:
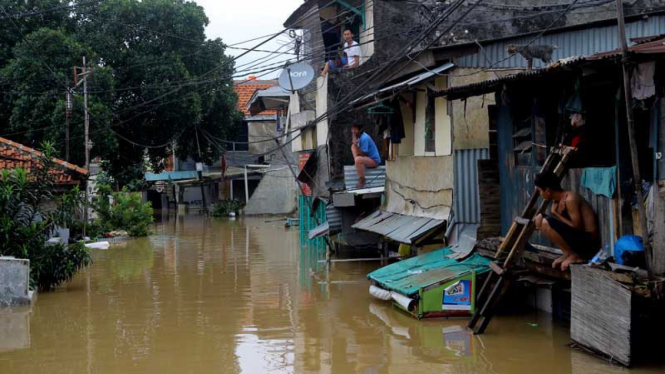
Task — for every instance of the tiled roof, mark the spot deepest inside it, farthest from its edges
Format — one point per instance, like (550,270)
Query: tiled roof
(245,90)
(14,155)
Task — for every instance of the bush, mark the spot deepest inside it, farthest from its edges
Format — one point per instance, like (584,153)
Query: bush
(223,208)
(55,264)
(26,223)
(127,212)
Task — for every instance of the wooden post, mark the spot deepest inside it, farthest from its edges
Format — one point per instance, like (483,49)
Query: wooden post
(637,177)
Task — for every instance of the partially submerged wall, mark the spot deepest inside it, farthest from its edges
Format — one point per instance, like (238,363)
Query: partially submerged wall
(276,193)
(14,281)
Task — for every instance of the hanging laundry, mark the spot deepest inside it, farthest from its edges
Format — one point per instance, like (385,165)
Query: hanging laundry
(642,82)
(601,181)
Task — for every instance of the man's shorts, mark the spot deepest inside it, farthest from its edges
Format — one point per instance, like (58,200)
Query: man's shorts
(581,242)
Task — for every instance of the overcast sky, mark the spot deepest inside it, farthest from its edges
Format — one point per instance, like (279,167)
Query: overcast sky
(240,20)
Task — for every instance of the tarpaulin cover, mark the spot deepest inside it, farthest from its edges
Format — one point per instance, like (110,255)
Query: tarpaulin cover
(409,276)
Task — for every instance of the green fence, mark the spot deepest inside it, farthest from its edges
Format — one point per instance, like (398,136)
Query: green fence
(308,222)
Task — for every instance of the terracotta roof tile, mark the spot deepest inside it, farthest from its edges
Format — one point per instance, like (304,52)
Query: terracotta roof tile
(14,155)
(245,90)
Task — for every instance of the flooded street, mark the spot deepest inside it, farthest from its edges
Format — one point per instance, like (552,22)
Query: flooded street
(216,296)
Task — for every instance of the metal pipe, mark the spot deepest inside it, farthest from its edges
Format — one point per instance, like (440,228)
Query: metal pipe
(246,187)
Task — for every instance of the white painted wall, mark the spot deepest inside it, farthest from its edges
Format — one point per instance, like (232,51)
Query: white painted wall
(444,133)
(321,108)
(294,107)
(367,36)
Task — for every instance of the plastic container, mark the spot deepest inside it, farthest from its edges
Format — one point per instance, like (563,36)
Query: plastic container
(602,256)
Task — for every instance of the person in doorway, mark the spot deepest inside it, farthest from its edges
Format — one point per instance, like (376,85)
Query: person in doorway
(365,153)
(352,52)
(571,224)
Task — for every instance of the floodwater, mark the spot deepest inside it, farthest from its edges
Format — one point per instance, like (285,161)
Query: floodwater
(218,296)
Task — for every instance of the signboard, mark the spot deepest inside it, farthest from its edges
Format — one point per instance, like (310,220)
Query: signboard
(296,76)
(302,160)
(457,296)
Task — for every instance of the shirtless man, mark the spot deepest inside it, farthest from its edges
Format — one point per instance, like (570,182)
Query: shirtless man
(571,225)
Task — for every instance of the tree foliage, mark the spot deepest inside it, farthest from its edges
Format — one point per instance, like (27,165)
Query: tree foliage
(157,81)
(122,210)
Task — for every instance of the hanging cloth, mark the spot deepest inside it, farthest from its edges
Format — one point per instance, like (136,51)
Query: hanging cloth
(642,82)
(601,181)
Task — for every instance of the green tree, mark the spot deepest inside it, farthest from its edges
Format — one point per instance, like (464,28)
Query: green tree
(175,82)
(157,82)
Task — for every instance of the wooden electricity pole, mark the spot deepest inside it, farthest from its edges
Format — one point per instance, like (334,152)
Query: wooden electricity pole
(85,72)
(628,95)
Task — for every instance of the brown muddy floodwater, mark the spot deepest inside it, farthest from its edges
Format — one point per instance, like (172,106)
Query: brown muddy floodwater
(218,296)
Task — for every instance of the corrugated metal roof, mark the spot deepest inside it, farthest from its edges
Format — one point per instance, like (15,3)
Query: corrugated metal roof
(410,276)
(492,85)
(405,84)
(577,42)
(334,216)
(644,47)
(466,198)
(375,177)
(398,227)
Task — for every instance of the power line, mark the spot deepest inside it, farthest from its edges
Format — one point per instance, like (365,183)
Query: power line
(54,9)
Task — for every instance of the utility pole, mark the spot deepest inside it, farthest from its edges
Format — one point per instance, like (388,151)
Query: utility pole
(87,115)
(68,114)
(628,95)
(199,170)
(85,72)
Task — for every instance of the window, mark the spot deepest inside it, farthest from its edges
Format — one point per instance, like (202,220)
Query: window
(430,125)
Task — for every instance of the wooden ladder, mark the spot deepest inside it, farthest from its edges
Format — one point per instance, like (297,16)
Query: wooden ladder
(501,276)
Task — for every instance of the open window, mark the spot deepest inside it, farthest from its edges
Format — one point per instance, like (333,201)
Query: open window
(339,15)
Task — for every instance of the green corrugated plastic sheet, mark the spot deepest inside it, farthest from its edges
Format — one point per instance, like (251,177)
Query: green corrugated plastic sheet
(409,276)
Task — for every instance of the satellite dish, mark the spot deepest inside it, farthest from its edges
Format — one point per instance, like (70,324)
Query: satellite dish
(296,76)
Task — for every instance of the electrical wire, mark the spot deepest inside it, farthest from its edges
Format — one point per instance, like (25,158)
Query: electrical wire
(39,12)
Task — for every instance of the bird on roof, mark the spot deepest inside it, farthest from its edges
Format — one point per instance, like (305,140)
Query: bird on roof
(529,52)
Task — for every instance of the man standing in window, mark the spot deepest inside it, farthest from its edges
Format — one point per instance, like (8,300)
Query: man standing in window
(365,153)
(352,52)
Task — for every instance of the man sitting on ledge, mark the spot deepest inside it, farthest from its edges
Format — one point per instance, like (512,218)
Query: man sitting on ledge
(365,153)
(571,225)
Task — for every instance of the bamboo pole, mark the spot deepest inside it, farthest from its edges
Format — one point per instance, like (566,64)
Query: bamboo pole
(637,177)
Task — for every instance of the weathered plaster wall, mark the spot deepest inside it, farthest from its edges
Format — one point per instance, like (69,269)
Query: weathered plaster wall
(15,279)
(276,193)
(420,186)
(470,119)
(259,131)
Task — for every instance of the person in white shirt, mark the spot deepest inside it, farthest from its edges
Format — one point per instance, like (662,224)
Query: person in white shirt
(352,52)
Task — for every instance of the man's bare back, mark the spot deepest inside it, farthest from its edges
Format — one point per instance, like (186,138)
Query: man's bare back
(571,224)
